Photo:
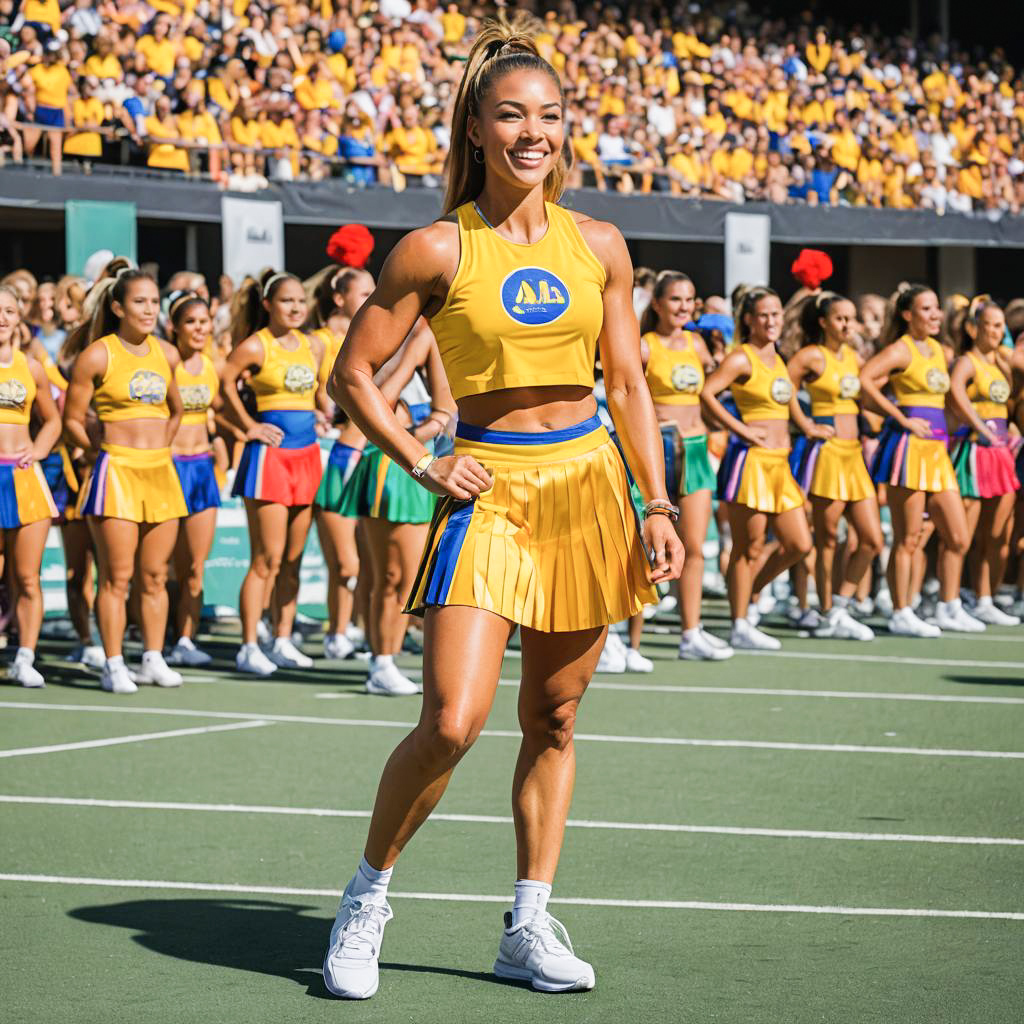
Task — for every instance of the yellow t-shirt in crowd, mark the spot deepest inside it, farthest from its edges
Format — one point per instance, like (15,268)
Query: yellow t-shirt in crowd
(163,154)
(53,84)
(412,149)
(104,67)
(159,55)
(46,12)
(90,111)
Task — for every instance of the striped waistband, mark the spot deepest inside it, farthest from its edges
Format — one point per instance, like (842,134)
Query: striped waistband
(191,457)
(935,417)
(297,424)
(519,448)
(469,432)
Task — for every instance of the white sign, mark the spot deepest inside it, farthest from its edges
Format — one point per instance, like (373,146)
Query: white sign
(253,236)
(747,248)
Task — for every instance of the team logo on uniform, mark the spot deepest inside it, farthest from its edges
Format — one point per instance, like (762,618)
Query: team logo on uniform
(147,387)
(13,394)
(782,390)
(685,378)
(299,378)
(195,397)
(999,392)
(534,296)
(937,381)
(849,386)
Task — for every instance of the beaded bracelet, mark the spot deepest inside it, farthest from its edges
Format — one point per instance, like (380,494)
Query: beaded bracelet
(661,508)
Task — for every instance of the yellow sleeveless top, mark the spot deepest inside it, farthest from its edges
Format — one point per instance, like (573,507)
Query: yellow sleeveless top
(925,381)
(197,390)
(286,380)
(766,394)
(134,387)
(675,376)
(17,390)
(835,392)
(989,391)
(332,346)
(520,315)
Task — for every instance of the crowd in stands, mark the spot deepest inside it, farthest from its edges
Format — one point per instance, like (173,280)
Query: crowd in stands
(722,104)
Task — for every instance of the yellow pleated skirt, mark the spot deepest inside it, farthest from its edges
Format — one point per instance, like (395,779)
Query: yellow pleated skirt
(553,545)
(136,484)
(840,473)
(759,478)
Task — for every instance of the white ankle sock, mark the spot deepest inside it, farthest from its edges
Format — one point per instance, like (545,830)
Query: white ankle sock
(186,642)
(530,898)
(25,654)
(381,661)
(148,656)
(983,602)
(368,881)
(692,634)
(117,661)
(838,601)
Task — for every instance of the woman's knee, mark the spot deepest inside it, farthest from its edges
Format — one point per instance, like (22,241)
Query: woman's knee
(266,564)
(552,726)
(444,739)
(153,579)
(957,542)
(348,567)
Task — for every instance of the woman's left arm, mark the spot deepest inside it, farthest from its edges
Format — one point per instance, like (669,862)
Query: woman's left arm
(174,403)
(46,408)
(629,397)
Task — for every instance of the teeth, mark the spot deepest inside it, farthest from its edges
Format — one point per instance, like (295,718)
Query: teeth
(527,154)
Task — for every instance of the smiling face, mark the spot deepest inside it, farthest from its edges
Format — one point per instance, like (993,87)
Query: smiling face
(139,308)
(924,318)
(675,306)
(193,329)
(287,305)
(520,128)
(764,321)
(991,329)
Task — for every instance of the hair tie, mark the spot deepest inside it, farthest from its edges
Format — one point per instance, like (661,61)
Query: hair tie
(183,297)
(279,276)
(121,271)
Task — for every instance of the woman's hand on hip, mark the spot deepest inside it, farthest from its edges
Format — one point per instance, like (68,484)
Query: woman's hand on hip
(460,476)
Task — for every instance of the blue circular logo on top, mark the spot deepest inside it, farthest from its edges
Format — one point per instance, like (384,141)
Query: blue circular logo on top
(534,296)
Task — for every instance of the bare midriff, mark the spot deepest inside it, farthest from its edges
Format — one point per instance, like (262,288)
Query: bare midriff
(13,438)
(846,426)
(191,439)
(145,434)
(777,431)
(529,409)
(686,417)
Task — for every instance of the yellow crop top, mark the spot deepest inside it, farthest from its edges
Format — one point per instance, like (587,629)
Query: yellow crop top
(834,393)
(332,346)
(766,394)
(675,376)
(17,390)
(197,390)
(287,379)
(520,315)
(989,391)
(134,387)
(925,381)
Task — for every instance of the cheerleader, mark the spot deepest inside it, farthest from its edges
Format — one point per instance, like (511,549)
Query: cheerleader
(535,524)
(26,506)
(340,296)
(198,385)
(280,468)
(675,361)
(754,477)
(132,496)
(979,390)
(913,462)
(832,473)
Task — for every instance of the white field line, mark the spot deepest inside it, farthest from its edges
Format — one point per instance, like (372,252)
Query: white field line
(500,819)
(883,659)
(584,737)
(577,901)
(143,737)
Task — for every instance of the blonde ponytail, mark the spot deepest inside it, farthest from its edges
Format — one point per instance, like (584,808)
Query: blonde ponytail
(502,46)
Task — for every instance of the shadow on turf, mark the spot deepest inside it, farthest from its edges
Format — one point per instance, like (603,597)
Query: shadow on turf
(283,940)
(988,680)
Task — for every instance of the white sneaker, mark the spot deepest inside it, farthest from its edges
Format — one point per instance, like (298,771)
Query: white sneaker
(636,662)
(116,679)
(188,654)
(350,967)
(389,681)
(714,641)
(155,670)
(284,654)
(355,634)
(23,671)
(252,660)
(696,647)
(538,950)
(766,602)
(804,618)
(841,625)
(952,616)
(89,655)
(862,609)
(987,611)
(905,623)
(969,598)
(747,637)
(883,603)
(338,647)
(613,655)
(665,606)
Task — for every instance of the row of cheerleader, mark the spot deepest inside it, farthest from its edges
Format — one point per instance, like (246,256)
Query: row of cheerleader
(128,440)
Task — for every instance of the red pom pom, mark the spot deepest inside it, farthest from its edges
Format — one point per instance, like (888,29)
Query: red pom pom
(812,267)
(351,245)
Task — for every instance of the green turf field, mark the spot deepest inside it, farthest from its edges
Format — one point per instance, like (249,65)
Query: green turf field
(834,834)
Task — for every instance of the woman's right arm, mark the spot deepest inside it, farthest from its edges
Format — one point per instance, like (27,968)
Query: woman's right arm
(414,276)
(875,372)
(959,380)
(88,368)
(734,366)
(245,356)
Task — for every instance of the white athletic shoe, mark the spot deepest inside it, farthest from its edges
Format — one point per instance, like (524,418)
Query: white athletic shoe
(905,623)
(284,654)
(613,655)
(747,637)
(698,648)
(766,602)
(155,670)
(804,618)
(188,654)
(636,662)
(987,611)
(350,967)
(841,625)
(389,681)
(338,647)
(715,641)
(117,679)
(952,616)
(252,660)
(355,634)
(665,606)
(883,603)
(538,950)
(22,671)
(89,655)
(862,609)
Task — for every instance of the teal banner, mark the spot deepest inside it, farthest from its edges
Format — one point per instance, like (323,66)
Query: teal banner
(90,226)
